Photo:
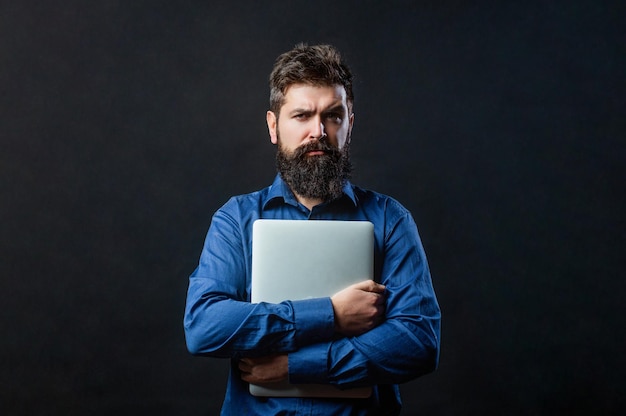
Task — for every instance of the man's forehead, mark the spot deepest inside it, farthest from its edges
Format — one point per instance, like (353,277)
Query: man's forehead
(304,91)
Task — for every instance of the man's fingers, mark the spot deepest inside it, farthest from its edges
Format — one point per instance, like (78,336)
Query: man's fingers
(265,369)
(244,365)
(380,299)
(370,286)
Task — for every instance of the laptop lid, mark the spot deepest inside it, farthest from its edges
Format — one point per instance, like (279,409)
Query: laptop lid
(297,259)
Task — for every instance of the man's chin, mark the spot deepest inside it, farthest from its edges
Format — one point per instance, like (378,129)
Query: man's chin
(314,172)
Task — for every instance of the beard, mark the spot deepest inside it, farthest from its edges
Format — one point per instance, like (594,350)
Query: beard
(321,176)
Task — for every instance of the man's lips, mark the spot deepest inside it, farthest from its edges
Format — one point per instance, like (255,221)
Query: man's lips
(315,153)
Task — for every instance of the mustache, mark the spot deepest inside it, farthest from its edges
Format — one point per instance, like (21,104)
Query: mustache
(317,145)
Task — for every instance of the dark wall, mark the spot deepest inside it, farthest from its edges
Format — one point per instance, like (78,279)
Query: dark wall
(125,125)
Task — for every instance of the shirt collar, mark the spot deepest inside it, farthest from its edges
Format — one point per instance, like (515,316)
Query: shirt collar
(279,189)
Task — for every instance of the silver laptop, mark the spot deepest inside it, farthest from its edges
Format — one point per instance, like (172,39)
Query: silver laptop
(297,259)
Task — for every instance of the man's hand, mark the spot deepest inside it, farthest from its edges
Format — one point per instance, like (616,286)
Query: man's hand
(359,308)
(268,369)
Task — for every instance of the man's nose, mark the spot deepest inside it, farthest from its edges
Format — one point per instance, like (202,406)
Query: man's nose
(318,130)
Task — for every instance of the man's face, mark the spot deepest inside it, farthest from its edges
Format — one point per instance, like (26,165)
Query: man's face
(313,135)
(308,113)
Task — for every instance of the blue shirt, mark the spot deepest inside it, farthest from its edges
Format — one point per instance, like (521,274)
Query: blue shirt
(220,321)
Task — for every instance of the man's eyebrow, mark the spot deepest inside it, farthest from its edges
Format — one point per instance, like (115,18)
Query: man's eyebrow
(337,108)
(334,108)
(300,111)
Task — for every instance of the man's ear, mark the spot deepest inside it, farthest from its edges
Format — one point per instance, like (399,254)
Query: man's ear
(350,124)
(270,117)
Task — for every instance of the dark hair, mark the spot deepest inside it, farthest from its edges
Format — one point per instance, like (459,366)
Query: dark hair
(318,65)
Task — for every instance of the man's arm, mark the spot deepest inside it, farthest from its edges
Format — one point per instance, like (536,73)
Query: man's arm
(402,347)
(219,319)
(357,309)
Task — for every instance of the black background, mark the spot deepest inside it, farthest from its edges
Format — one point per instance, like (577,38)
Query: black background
(125,125)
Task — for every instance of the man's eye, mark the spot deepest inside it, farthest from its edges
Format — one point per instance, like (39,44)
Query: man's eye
(335,118)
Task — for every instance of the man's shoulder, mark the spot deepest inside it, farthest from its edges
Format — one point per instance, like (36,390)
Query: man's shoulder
(370,198)
(248,200)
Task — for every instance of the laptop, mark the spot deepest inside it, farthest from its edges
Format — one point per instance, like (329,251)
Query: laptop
(298,259)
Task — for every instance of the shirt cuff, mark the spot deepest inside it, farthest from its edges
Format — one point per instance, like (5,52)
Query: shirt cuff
(315,321)
(309,364)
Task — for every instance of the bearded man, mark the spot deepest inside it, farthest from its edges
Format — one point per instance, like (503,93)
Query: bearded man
(374,333)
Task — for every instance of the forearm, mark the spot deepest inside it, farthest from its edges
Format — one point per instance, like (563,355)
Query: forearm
(392,353)
(220,326)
